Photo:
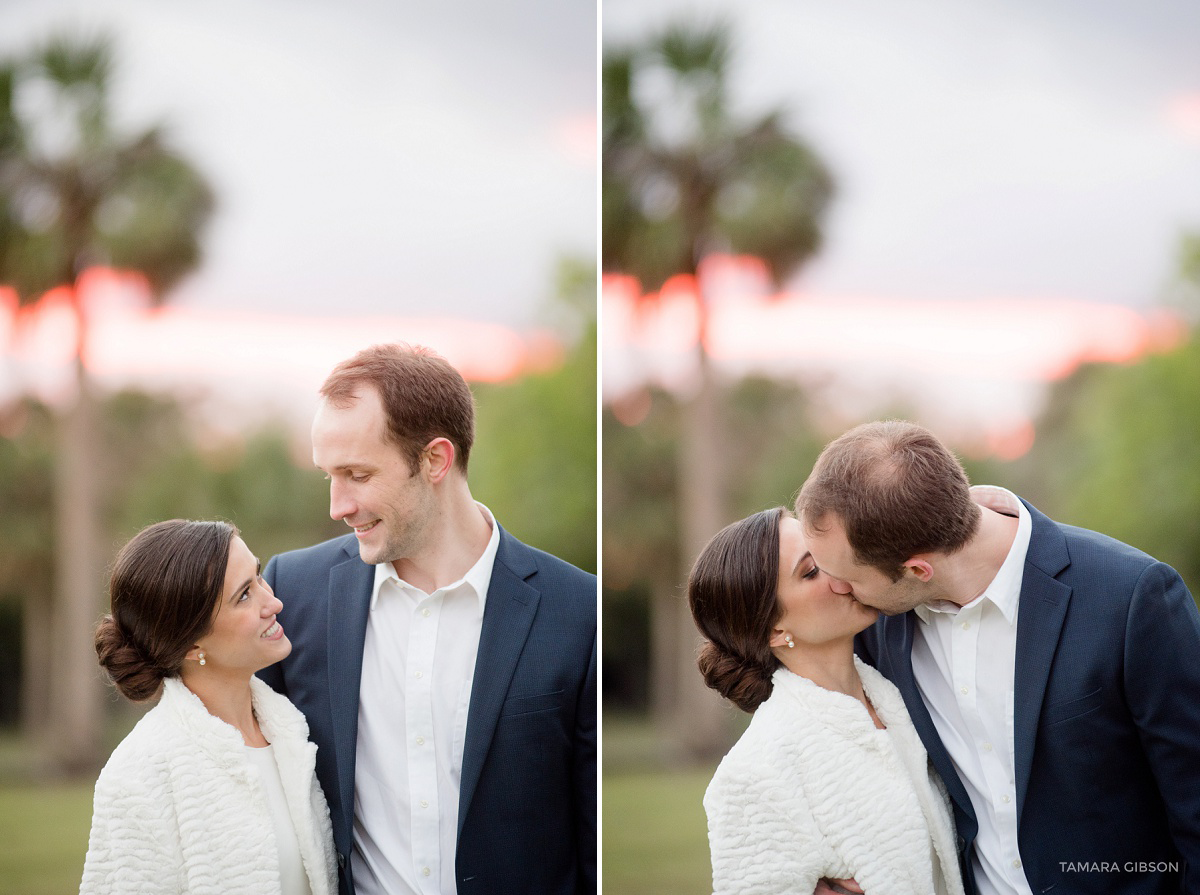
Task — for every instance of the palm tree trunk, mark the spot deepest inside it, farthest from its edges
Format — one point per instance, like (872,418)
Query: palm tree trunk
(698,725)
(692,719)
(75,681)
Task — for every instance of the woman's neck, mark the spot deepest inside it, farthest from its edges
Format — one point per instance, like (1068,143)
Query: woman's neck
(831,667)
(228,699)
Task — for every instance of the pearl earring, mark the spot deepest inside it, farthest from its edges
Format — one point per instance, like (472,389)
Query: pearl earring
(788,637)
(202,660)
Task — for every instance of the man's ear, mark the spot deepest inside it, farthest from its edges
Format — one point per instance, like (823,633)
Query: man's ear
(438,458)
(920,568)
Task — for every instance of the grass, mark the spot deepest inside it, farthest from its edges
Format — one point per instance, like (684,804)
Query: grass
(43,837)
(655,833)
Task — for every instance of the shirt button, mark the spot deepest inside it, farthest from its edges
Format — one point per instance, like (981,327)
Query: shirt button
(1005,799)
(425,612)
(420,741)
(1017,863)
(424,871)
(418,674)
(966,626)
(987,747)
(424,803)
(964,691)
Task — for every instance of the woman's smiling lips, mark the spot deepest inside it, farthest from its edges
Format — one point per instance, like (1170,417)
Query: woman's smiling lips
(272,633)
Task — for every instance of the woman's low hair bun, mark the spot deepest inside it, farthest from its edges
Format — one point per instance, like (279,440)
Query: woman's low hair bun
(744,682)
(732,594)
(136,675)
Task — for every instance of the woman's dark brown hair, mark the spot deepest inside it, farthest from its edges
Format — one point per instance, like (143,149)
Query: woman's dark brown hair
(166,583)
(732,594)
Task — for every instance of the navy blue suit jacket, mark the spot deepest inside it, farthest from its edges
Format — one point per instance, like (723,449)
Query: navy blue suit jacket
(527,811)
(1106,718)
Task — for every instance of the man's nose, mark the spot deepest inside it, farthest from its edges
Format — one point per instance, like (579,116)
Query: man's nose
(340,504)
(838,586)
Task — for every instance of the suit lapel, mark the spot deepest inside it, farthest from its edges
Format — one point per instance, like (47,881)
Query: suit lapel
(1043,608)
(507,618)
(898,636)
(350,585)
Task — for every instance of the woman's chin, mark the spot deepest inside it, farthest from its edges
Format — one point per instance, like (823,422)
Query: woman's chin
(870,614)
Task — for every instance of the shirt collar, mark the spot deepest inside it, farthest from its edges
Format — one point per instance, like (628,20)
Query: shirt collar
(1004,591)
(478,577)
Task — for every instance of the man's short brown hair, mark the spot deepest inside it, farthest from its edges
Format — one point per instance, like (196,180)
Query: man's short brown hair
(423,397)
(897,490)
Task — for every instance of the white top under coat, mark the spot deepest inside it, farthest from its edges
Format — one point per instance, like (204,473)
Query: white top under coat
(292,878)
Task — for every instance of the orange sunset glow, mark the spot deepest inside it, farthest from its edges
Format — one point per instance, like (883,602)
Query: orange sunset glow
(244,356)
(975,366)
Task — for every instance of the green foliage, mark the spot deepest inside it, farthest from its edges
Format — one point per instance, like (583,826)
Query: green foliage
(26,479)
(769,443)
(74,191)
(256,485)
(641,538)
(1117,452)
(770,433)
(535,462)
(684,176)
(151,469)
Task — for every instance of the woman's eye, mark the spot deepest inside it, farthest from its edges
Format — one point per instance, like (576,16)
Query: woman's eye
(811,573)
(245,596)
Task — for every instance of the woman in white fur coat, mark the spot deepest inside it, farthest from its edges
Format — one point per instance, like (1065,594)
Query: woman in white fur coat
(829,789)
(214,790)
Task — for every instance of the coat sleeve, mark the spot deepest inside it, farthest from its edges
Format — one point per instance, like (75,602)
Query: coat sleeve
(1162,680)
(134,842)
(763,840)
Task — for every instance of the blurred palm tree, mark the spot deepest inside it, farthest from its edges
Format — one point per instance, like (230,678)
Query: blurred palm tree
(77,192)
(684,177)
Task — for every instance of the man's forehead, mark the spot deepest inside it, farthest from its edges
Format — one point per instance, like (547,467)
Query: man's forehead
(827,529)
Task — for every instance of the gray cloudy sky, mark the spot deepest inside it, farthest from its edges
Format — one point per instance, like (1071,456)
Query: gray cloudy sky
(1000,148)
(370,156)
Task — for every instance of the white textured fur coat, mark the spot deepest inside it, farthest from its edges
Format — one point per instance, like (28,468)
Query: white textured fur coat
(179,808)
(813,789)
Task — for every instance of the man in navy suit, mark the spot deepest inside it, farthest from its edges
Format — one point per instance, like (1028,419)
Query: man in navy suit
(1051,671)
(447,671)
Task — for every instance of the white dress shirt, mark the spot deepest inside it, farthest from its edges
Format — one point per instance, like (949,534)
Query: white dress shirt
(418,666)
(964,662)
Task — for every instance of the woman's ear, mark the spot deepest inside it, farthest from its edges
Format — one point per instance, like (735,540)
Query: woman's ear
(781,639)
